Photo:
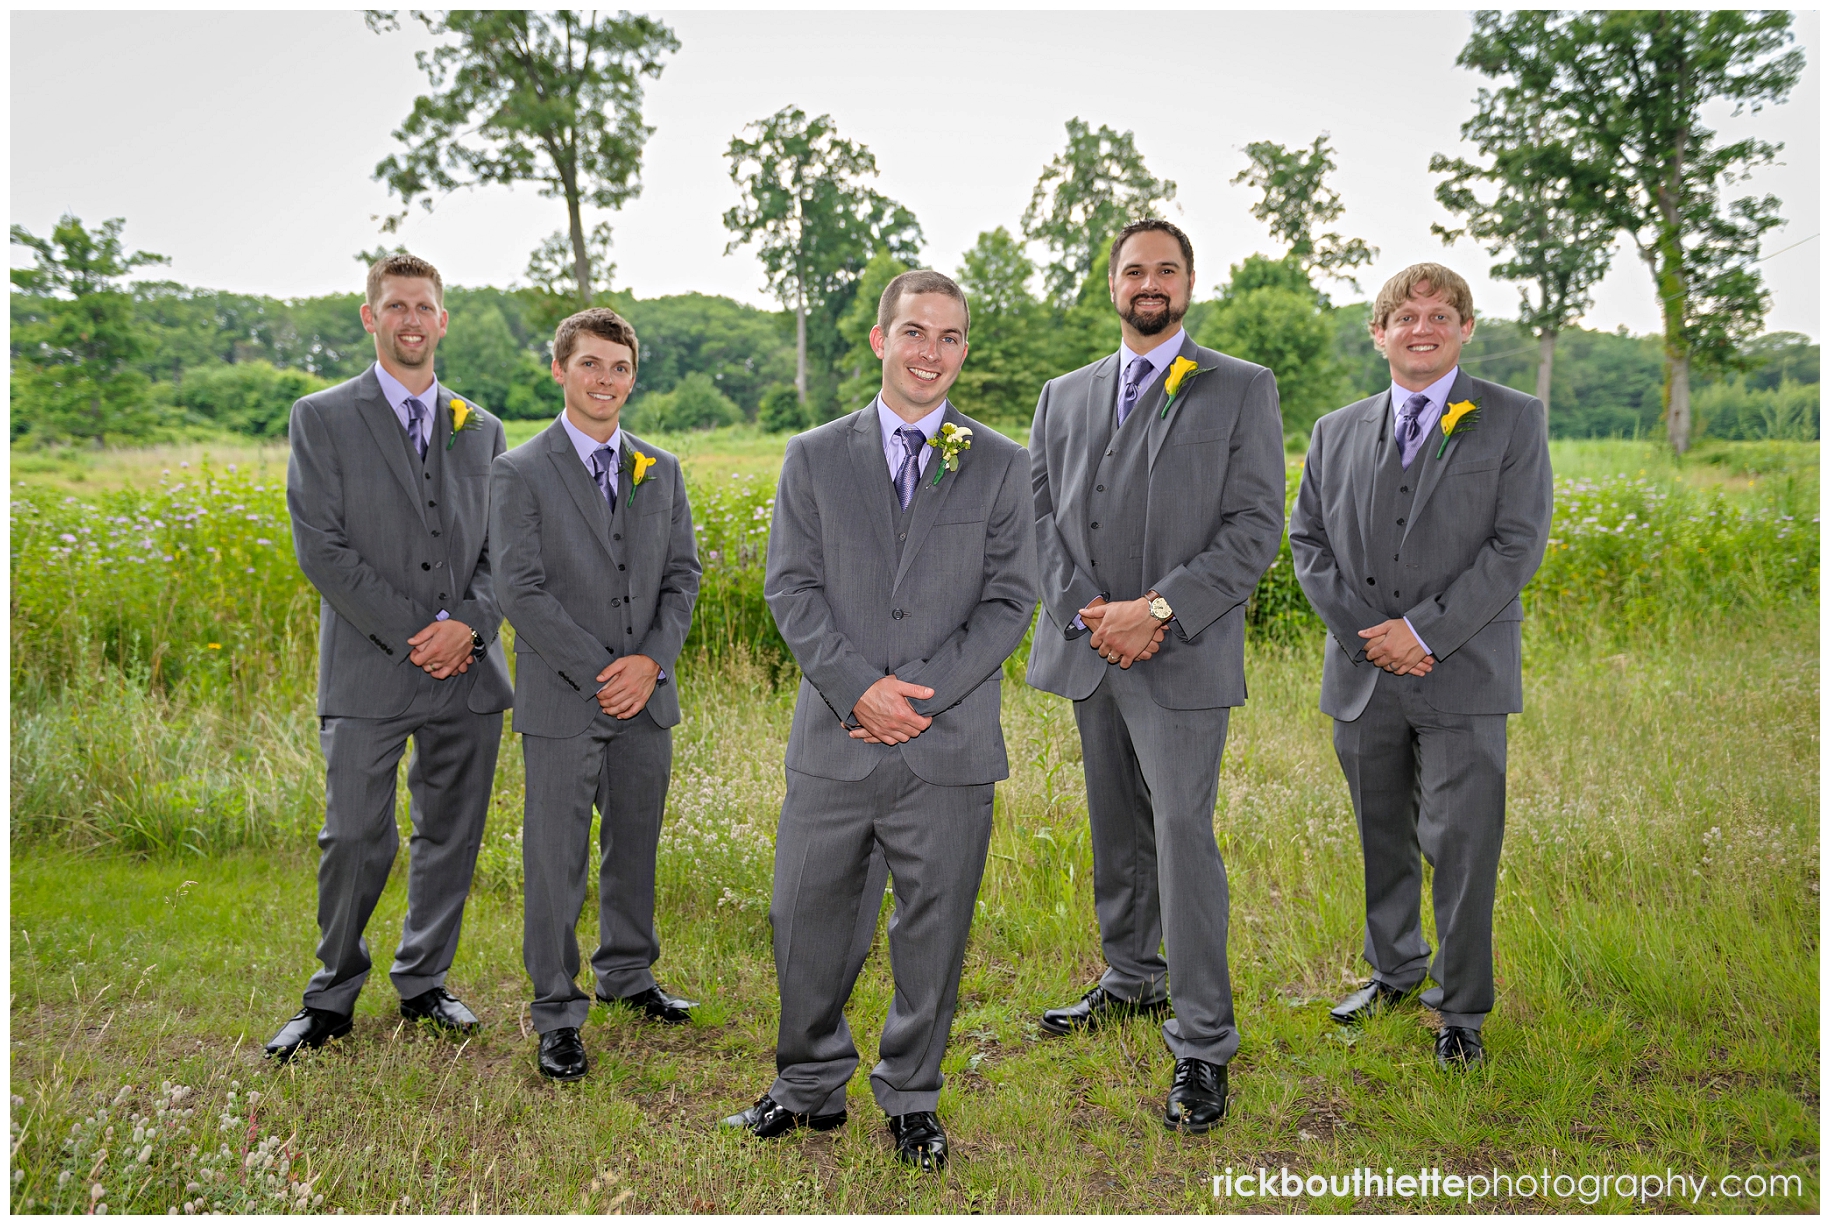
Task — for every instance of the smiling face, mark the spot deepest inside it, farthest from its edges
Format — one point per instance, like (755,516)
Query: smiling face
(598,377)
(1422,338)
(1150,283)
(922,352)
(407,322)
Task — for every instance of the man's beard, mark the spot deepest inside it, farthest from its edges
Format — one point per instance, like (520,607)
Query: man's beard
(412,360)
(1152,325)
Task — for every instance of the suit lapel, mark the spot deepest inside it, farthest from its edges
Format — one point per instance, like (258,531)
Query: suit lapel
(1152,402)
(578,483)
(929,498)
(1101,421)
(390,440)
(871,473)
(1461,389)
(1363,464)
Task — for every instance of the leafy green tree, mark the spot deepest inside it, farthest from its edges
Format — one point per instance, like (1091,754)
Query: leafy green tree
(1296,203)
(75,339)
(814,220)
(695,404)
(1268,313)
(782,411)
(1630,87)
(1009,355)
(552,98)
(479,359)
(744,350)
(252,398)
(1543,217)
(1086,194)
(862,370)
(1088,329)
(553,269)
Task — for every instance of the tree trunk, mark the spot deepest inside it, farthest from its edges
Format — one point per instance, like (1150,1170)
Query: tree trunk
(1547,347)
(581,258)
(800,339)
(1677,404)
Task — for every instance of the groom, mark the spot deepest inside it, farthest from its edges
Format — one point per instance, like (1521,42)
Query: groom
(902,572)
(388,488)
(1423,512)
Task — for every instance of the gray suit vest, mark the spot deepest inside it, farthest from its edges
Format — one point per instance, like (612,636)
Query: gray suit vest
(1394,492)
(1120,496)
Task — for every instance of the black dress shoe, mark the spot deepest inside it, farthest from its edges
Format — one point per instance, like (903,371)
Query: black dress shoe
(312,1027)
(660,1006)
(441,1008)
(768,1119)
(1459,1047)
(919,1140)
(1375,996)
(1097,1007)
(1197,1096)
(562,1055)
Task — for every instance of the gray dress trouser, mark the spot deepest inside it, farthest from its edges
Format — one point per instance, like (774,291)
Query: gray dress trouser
(1152,777)
(448,787)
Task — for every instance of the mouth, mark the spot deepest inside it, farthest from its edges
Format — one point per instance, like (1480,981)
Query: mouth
(605,397)
(926,376)
(1143,300)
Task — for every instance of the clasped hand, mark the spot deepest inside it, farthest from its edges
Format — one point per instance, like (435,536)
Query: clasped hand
(1392,646)
(885,716)
(442,648)
(1123,633)
(627,683)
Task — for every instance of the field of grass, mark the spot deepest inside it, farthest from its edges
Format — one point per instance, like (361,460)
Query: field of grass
(1656,931)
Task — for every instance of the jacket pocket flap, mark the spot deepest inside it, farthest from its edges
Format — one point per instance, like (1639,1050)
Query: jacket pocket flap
(1467,467)
(1194,436)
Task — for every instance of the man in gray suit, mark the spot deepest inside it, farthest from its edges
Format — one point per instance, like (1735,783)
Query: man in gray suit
(388,487)
(1158,482)
(902,573)
(1422,514)
(597,572)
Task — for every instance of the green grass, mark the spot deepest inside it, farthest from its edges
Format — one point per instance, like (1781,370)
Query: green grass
(1656,946)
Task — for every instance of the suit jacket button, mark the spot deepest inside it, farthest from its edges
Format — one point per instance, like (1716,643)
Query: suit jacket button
(614,603)
(1400,521)
(1096,525)
(1099,489)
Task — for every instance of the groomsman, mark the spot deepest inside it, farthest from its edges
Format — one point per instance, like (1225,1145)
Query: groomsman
(388,489)
(1422,514)
(1159,494)
(598,573)
(902,572)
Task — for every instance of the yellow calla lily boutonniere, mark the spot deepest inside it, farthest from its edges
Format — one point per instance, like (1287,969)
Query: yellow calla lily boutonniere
(463,417)
(1180,371)
(1452,419)
(639,464)
(951,440)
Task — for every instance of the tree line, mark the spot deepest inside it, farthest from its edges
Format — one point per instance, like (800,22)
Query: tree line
(1592,133)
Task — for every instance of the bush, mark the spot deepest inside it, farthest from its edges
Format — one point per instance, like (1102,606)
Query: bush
(1732,409)
(248,397)
(782,411)
(695,404)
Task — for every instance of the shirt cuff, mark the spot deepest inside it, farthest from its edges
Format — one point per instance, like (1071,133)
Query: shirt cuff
(442,616)
(1418,637)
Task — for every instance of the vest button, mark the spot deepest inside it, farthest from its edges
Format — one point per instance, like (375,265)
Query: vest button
(435,531)
(425,565)
(1099,488)
(902,535)
(1401,521)
(616,535)
(1396,595)
(1371,581)
(1096,525)
(895,614)
(1404,489)
(430,503)
(619,566)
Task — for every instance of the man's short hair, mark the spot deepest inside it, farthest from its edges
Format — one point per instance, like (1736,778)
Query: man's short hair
(1162,227)
(599,321)
(1440,278)
(919,280)
(403,265)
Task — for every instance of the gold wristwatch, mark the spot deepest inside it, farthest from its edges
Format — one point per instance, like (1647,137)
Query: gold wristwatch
(1159,608)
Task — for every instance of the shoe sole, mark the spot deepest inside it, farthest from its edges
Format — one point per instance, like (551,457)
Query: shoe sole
(1190,1128)
(664,1020)
(446,1026)
(1090,1025)
(285,1056)
(565,1079)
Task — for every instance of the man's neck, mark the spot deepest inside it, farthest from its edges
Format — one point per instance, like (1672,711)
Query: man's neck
(909,413)
(1141,344)
(599,432)
(1420,382)
(415,381)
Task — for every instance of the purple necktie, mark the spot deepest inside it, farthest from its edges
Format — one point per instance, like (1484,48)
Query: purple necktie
(1410,433)
(604,459)
(416,425)
(1135,374)
(913,440)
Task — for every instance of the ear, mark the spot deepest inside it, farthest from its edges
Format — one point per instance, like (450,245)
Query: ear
(368,319)
(877,341)
(559,373)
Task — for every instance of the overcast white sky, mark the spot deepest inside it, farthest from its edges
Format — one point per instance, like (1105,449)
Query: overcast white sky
(242,144)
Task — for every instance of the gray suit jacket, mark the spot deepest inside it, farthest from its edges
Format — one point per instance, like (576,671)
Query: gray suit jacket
(946,615)
(1474,537)
(382,556)
(1214,514)
(582,586)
